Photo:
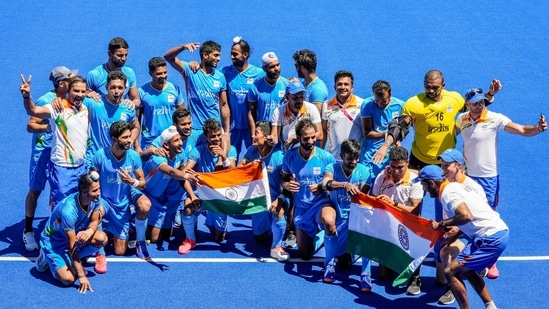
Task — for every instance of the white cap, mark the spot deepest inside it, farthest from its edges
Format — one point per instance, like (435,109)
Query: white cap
(268,57)
(167,134)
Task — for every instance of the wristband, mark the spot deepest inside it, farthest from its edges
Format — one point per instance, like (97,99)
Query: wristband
(282,197)
(226,163)
(135,183)
(329,185)
(386,143)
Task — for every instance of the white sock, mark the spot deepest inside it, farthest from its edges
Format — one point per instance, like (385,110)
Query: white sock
(490,305)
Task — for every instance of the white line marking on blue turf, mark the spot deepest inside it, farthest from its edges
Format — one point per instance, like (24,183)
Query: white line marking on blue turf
(115,259)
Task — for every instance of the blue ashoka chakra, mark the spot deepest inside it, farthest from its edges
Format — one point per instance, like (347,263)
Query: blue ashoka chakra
(403,237)
(231,194)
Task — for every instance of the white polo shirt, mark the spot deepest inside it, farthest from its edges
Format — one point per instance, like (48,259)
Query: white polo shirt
(403,191)
(480,142)
(285,119)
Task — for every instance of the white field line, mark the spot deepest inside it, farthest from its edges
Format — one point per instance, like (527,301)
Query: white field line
(115,259)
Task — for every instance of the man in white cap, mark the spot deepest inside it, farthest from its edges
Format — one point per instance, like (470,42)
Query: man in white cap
(161,174)
(480,128)
(267,93)
(488,234)
(41,150)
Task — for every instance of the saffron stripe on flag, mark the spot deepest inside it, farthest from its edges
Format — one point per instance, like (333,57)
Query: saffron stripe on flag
(232,177)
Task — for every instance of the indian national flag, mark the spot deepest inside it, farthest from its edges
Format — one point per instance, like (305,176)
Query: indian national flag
(389,235)
(237,191)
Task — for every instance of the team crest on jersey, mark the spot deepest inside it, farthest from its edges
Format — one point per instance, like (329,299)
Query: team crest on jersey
(250,81)
(281,93)
(216,84)
(403,237)
(316,170)
(231,194)
(449,108)
(123,116)
(171,98)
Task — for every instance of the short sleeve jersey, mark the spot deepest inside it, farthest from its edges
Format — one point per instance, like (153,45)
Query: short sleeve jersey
(343,123)
(402,191)
(41,141)
(268,97)
(273,164)
(96,79)
(317,92)
(433,124)
(285,119)
(307,172)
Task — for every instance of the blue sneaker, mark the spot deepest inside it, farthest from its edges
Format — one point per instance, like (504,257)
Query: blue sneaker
(141,250)
(329,273)
(365,282)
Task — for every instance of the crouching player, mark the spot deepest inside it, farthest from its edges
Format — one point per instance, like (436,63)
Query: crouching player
(272,157)
(163,188)
(71,234)
(343,179)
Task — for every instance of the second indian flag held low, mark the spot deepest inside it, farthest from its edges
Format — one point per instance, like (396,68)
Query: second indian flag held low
(389,235)
(238,191)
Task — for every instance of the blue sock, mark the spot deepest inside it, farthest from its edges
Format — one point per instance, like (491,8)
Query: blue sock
(188,226)
(365,265)
(140,229)
(330,246)
(278,227)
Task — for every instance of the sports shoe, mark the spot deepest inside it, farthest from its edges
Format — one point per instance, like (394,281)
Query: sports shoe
(447,298)
(186,246)
(100,266)
(141,250)
(414,287)
(329,273)
(291,241)
(40,262)
(493,272)
(279,254)
(30,242)
(365,283)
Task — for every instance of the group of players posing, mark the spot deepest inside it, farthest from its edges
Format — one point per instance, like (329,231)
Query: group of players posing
(280,121)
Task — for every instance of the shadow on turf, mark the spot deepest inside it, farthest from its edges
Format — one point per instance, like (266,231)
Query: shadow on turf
(349,279)
(12,235)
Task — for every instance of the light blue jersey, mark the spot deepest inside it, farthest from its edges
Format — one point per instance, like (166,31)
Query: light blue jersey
(380,123)
(340,198)
(203,92)
(238,84)
(68,215)
(113,190)
(102,115)
(317,92)
(205,160)
(157,182)
(268,97)
(41,141)
(96,79)
(307,172)
(158,107)
(273,164)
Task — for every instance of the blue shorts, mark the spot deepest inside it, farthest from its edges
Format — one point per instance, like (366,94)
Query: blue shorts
(491,188)
(481,253)
(39,169)
(308,219)
(162,212)
(119,217)
(217,221)
(57,255)
(436,249)
(261,222)
(63,182)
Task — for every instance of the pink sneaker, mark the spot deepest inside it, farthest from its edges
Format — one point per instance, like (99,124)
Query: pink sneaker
(493,272)
(187,245)
(100,264)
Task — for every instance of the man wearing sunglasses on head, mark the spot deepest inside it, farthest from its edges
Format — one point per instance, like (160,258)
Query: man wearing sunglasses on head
(479,129)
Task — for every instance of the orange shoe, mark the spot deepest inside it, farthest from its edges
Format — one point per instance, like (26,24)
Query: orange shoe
(100,266)
(493,272)
(187,245)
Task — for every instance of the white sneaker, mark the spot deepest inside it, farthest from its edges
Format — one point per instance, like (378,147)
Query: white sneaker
(279,254)
(291,241)
(30,242)
(40,263)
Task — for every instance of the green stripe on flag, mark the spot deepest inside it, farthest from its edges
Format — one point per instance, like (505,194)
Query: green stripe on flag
(245,207)
(381,251)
